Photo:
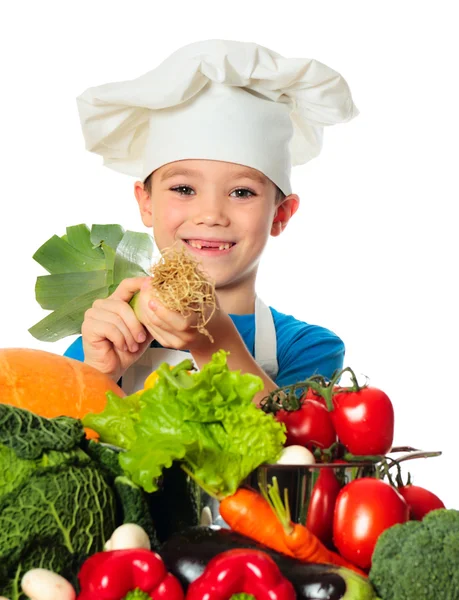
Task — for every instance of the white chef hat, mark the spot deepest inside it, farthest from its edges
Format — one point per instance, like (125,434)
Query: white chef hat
(219,100)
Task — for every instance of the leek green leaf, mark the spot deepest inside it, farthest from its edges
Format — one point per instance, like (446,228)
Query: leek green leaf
(133,256)
(85,265)
(58,256)
(110,235)
(67,319)
(109,254)
(53,291)
(78,236)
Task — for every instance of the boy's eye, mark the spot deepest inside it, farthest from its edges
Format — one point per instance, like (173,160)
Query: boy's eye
(184,190)
(243,193)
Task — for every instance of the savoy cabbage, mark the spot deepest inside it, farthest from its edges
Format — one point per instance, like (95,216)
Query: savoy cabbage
(57,505)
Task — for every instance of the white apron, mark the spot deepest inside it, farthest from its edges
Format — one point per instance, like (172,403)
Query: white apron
(265,353)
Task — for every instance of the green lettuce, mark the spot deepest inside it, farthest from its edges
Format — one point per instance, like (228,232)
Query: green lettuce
(206,420)
(115,424)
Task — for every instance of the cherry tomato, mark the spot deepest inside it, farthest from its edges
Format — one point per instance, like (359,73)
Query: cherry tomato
(309,426)
(364,421)
(420,501)
(364,509)
(322,506)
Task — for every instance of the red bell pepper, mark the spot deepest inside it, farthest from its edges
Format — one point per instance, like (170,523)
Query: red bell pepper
(241,572)
(127,575)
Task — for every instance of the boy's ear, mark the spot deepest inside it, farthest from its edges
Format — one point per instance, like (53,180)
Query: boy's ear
(144,201)
(284,212)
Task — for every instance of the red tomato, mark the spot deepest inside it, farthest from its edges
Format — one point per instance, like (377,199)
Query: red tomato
(312,395)
(322,506)
(364,421)
(420,501)
(309,426)
(364,509)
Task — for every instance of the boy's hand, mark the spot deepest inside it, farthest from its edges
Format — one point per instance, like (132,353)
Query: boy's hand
(171,329)
(113,337)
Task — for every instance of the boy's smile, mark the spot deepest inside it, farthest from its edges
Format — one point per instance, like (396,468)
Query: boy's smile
(222,212)
(209,247)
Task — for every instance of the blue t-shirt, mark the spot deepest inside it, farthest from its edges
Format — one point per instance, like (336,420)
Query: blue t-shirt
(302,349)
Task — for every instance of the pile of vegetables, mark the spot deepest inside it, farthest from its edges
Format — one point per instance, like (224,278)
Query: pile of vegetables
(208,423)
(188,431)
(64,497)
(119,518)
(349,431)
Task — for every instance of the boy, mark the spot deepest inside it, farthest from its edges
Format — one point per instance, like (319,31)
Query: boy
(211,134)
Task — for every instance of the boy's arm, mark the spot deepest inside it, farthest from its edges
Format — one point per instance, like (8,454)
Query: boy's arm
(227,337)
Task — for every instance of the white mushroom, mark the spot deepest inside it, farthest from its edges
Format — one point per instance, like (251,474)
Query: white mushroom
(206,517)
(296,455)
(41,584)
(128,535)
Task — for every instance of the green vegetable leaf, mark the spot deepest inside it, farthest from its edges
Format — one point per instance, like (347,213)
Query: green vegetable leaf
(85,265)
(59,256)
(162,436)
(14,470)
(55,291)
(133,256)
(55,519)
(115,424)
(67,319)
(105,456)
(79,237)
(30,435)
(109,235)
(211,394)
(245,440)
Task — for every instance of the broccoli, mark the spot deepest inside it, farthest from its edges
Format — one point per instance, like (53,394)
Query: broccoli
(419,560)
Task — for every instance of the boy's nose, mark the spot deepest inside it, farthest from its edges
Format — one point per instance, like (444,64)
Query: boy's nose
(211,212)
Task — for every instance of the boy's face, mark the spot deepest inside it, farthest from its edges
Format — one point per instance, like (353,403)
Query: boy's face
(222,212)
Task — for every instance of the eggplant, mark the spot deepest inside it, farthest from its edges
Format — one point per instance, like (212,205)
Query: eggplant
(187,553)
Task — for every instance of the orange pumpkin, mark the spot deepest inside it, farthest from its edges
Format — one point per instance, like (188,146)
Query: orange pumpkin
(52,385)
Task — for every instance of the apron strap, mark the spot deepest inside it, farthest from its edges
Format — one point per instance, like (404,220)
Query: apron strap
(265,339)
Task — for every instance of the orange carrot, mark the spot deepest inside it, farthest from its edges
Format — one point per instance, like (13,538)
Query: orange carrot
(302,543)
(248,513)
(305,546)
(264,518)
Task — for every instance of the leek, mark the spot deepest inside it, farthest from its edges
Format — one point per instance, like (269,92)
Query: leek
(84,265)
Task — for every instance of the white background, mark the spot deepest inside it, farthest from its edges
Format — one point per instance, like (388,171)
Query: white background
(371,254)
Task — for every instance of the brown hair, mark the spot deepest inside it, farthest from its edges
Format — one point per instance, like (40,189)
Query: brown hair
(280,196)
